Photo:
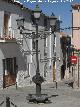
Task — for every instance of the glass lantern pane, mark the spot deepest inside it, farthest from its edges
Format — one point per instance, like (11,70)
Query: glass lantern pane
(52,22)
(20,23)
(36,15)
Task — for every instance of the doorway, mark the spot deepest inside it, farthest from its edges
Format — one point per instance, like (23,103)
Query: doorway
(54,71)
(62,71)
(6,23)
(9,72)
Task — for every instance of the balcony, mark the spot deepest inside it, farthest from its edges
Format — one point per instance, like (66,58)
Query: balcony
(7,37)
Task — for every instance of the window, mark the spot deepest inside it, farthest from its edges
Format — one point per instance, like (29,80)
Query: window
(45,69)
(6,23)
(9,66)
(45,47)
(33,44)
(45,21)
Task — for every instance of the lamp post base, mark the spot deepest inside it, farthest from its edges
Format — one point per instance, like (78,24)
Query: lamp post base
(43,98)
(38,97)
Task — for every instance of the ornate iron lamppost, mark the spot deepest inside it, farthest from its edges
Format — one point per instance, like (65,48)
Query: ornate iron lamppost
(37,79)
(52,29)
(53,20)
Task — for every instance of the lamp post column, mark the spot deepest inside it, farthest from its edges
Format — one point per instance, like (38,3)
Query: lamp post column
(37,79)
(38,85)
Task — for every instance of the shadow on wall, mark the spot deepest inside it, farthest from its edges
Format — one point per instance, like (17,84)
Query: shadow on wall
(10,50)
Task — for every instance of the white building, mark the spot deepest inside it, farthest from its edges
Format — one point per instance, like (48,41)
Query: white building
(17,52)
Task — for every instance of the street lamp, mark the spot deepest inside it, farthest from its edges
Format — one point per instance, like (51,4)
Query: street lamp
(53,19)
(37,12)
(20,23)
(37,79)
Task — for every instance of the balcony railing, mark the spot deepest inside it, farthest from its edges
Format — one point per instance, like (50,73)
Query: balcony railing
(7,37)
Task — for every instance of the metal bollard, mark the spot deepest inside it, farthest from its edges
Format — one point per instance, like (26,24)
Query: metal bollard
(16,85)
(7,102)
(56,84)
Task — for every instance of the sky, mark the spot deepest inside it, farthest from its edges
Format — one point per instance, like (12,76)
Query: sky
(60,8)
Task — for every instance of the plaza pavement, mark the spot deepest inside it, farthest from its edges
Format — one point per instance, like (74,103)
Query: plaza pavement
(63,96)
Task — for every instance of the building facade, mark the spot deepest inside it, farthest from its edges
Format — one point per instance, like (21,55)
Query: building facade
(17,51)
(76,41)
(76,25)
